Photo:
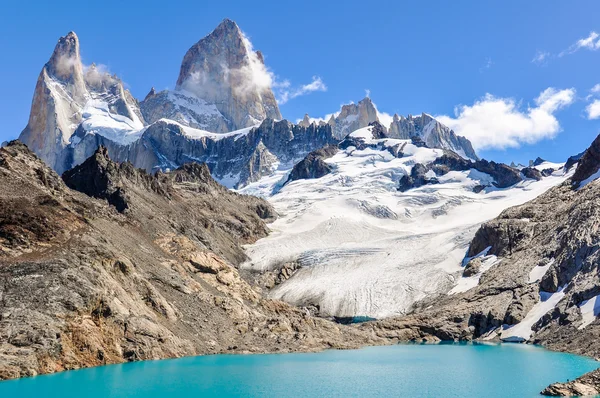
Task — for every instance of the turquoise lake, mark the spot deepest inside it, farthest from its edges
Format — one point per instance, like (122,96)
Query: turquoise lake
(440,370)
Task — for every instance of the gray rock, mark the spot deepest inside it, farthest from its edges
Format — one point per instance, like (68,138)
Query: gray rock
(313,165)
(473,267)
(228,78)
(85,285)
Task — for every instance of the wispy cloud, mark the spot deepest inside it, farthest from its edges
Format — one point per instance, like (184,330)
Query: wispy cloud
(285,92)
(541,57)
(591,42)
(493,122)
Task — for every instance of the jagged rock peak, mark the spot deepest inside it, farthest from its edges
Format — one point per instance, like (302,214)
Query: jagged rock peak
(65,62)
(305,122)
(223,69)
(151,93)
(353,117)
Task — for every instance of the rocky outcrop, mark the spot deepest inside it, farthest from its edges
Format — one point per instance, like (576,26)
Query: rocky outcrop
(224,70)
(85,285)
(353,117)
(313,165)
(67,97)
(417,178)
(589,163)
(532,173)
(587,385)
(433,133)
(504,176)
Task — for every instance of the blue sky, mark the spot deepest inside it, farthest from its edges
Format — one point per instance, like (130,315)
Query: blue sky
(413,57)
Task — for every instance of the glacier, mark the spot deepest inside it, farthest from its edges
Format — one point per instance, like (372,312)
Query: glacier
(367,249)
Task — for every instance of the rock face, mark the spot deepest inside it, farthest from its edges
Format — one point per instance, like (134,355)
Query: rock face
(589,163)
(224,70)
(504,176)
(432,132)
(587,385)
(313,165)
(86,285)
(67,98)
(184,108)
(417,178)
(353,117)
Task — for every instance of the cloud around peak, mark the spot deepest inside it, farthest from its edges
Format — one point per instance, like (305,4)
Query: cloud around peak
(498,123)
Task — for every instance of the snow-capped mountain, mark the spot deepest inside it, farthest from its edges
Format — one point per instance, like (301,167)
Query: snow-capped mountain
(222,112)
(361,246)
(352,117)
(69,96)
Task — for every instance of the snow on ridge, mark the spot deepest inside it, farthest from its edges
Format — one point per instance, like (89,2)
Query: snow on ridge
(97,119)
(197,134)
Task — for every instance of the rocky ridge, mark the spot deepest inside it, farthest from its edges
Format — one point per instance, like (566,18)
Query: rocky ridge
(222,105)
(87,282)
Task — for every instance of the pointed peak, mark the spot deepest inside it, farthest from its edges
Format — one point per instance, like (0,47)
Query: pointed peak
(227,25)
(305,122)
(396,118)
(72,35)
(65,62)
(152,93)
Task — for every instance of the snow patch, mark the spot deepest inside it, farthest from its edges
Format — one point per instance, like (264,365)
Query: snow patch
(538,272)
(589,309)
(523,330)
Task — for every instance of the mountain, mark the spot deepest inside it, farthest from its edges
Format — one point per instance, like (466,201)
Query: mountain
(224,70)
(68,96)
(432,132)
(373,227)
(222,112)
(113,265)
(352,117)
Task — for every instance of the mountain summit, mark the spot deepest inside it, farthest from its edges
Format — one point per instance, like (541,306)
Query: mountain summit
(222,112)
(223,69)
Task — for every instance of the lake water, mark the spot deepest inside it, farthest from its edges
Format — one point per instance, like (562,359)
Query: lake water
(441,370)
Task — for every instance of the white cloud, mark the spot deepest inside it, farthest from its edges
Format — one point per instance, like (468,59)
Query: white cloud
(494,122)
(592,42)
(97,75)
(541,57)
(284,92)
(593,110)
(595,89)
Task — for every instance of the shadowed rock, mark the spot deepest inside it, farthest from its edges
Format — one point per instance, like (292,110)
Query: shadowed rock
(314,165)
